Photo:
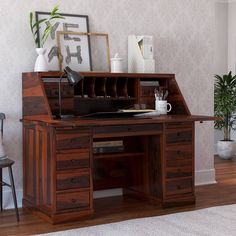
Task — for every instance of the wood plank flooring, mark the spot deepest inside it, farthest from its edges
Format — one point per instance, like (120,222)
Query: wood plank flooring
(118,209)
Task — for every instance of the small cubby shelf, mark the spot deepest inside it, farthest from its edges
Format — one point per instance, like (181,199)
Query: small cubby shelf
(110,92)
(106,87)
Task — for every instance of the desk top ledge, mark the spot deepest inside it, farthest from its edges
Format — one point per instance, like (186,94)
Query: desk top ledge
(121,121)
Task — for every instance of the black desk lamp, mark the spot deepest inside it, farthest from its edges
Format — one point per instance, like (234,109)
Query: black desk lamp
(73,78)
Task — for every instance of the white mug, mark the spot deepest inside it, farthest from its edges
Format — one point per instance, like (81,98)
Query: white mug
(161,107)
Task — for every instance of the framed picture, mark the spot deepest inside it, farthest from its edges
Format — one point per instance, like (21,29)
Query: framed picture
(78,52)
(100,53)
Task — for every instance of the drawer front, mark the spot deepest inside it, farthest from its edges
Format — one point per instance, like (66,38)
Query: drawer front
(72,140)
(179,125)
(176,187)
(179,136)
(177,156)
(76,200)
(129,129)
(70,181)
(77,160)
(179,172)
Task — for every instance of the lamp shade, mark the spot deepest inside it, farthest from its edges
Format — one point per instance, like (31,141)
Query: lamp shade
(72,76)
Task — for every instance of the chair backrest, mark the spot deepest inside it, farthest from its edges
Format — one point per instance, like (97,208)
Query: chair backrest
(2,118)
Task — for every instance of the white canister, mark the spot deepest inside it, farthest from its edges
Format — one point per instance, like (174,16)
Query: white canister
(117,64)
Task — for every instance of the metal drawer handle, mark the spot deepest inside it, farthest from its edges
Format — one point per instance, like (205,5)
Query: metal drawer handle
(74,161)
(74,180)
(178,187)
(179,153)
(73,200)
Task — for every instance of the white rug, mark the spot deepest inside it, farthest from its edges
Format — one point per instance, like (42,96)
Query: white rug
(215,221)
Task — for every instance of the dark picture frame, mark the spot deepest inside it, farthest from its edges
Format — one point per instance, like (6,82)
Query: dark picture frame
(72,22)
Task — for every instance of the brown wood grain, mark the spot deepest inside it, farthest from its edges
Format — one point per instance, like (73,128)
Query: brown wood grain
(70,161)
(72,180)
(73,201)
(60,170)
(115,209)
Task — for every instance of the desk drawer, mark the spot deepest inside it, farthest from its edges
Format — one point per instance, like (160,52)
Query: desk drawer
(73,180)
(72,140)
(179,125)
(181,186)
(182,136)
(128,129)
(76,160)
(179,155)
(75,200)
(179,172)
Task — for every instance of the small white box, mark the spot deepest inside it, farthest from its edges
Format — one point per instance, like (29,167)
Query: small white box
(146,46)
(140,54)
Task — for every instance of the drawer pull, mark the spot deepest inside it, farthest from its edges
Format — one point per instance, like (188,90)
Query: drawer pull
(179,153)
(73,200)
(178,187)
(74,161)
(74,180)
(178,134)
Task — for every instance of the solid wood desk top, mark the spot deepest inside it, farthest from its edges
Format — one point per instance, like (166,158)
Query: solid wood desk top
(120,121)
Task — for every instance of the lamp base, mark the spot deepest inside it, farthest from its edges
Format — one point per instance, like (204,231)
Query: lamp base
(3,158)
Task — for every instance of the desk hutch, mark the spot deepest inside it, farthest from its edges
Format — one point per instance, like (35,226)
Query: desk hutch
(61,169)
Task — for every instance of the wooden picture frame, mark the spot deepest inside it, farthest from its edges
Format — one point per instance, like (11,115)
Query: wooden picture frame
(70,23)
(87,35)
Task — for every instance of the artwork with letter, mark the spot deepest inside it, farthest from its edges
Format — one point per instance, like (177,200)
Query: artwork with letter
(100,53)
(77,52)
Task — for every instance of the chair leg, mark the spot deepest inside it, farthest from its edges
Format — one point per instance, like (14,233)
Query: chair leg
(13,192)
(1,189)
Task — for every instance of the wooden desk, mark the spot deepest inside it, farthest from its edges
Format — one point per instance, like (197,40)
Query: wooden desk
(61,168)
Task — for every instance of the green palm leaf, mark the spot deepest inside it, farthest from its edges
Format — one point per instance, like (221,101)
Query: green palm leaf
(46,22)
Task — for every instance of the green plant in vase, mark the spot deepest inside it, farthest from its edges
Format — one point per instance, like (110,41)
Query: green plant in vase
(40,39)
(225,108)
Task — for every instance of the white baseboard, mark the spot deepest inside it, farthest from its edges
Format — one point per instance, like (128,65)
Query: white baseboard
(8,200)
(204,177)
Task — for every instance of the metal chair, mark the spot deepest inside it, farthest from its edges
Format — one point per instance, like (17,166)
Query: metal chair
(7,163)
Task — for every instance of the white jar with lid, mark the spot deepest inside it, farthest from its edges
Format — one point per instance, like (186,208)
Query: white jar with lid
(117,64)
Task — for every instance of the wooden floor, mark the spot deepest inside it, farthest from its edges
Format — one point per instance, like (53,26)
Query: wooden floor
(118,209)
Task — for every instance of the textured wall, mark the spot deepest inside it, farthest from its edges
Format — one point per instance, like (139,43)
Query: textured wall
(221,47)
(184,44)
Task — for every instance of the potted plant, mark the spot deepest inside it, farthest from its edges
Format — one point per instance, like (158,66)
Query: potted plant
(225,107)
(35,26)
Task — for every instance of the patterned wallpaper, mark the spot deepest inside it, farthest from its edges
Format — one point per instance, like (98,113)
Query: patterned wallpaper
(183,32)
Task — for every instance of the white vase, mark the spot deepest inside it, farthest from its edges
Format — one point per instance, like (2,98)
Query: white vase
(226,149)
(41,63)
